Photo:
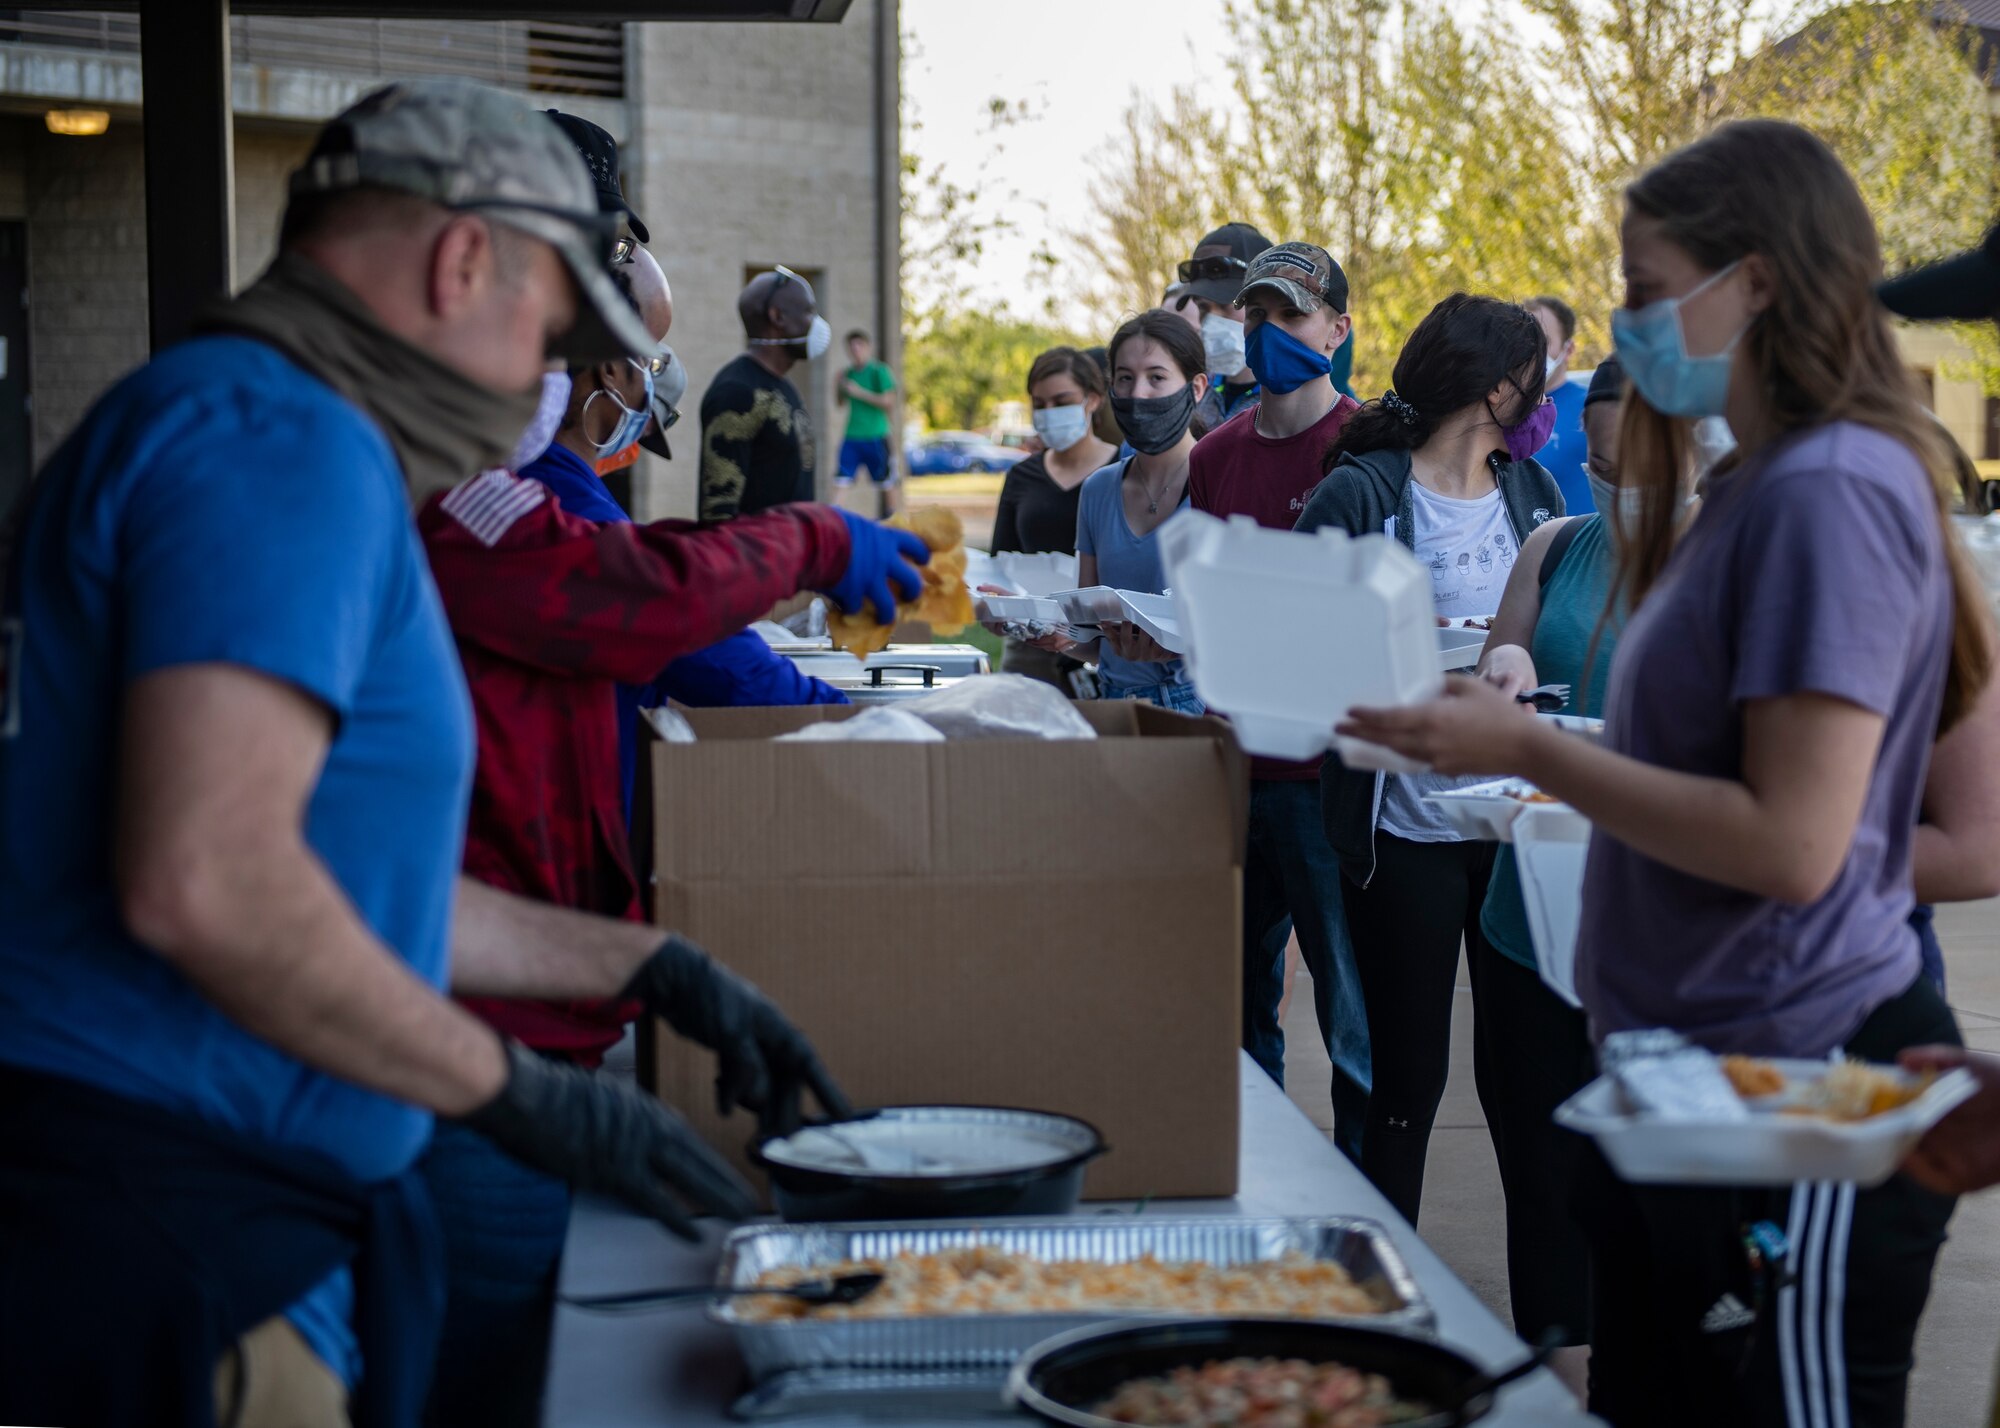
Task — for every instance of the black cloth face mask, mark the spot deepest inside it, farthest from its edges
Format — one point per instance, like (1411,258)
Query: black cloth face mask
(1153,424)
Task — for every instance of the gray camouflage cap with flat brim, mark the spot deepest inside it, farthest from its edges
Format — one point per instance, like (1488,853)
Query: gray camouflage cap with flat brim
(473,149)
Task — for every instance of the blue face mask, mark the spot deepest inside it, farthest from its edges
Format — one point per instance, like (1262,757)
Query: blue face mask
(1652,348)
(631,421)
(1280,362)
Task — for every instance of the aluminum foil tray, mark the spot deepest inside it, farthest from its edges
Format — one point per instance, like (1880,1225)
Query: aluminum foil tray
(1361,1247)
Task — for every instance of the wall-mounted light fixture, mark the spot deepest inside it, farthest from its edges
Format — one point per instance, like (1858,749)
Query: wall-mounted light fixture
(78,123)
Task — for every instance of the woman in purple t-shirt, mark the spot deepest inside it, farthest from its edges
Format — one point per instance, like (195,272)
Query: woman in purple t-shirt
(1772,705)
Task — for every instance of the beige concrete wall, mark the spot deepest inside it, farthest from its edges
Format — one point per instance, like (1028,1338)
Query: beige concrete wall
(753,145)
(1960,405)
(84,201)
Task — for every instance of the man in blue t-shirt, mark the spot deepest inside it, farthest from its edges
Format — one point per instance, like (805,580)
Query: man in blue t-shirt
(1564,455)
(235,749)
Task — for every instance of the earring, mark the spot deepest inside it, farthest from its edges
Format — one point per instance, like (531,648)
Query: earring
(583,419)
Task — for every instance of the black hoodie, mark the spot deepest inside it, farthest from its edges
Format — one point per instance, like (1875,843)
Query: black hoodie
(1362,495)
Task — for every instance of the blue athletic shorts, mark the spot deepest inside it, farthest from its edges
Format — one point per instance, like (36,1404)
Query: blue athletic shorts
(872,454)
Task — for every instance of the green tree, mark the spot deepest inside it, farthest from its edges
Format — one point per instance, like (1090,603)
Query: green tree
(960,355)
(1431,153)
(965,363)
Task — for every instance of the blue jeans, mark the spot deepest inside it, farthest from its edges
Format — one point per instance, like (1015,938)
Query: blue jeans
(1291,878)
(1928,946)
(504,1226)
(1180,698)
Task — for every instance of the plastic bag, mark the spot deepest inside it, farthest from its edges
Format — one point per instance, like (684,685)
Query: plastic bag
(809,623)
(1001,706)
(883,724)
(669,725)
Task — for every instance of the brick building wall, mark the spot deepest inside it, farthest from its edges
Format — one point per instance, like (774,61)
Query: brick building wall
(84,204)
(754,145)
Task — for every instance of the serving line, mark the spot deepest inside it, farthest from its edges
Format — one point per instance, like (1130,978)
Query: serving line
(642,1370)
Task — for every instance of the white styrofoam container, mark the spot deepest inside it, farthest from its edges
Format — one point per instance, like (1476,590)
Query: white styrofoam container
(1286,631)
(1459,648)
(1096,605)
(1767,1148)
(1021,609)
(1155,615)
(1487,812)
(1551,845)
(1040,575)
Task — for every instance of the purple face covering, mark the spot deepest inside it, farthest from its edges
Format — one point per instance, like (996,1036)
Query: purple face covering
(1531,434)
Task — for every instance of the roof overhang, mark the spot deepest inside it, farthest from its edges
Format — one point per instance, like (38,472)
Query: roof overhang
(810,11)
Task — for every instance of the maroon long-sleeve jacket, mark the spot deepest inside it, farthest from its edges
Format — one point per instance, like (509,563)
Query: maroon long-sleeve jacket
(551,613)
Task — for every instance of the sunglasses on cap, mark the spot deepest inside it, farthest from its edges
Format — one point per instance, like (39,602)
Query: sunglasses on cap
(1197,270)
(600,228)
(656,367)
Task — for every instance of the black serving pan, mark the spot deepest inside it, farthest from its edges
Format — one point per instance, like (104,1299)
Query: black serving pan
(813,1195)
(1061,1380)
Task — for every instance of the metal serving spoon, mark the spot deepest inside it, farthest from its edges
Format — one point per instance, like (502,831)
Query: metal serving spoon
(839,1290)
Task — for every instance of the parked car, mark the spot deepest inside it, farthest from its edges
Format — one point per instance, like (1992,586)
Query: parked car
(948,453)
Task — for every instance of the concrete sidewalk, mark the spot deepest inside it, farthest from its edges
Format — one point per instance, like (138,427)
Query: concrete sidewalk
(1464,1220)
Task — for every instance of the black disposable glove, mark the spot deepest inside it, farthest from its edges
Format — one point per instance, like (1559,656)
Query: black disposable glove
(765,1062)
(599,1133)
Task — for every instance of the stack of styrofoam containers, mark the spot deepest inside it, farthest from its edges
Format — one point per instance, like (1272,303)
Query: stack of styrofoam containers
(1286,631)
(1551,844)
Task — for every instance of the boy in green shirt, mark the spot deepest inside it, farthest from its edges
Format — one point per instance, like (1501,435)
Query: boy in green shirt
(865,389)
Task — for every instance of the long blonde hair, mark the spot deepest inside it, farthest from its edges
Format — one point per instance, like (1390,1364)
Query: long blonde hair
(1823,350)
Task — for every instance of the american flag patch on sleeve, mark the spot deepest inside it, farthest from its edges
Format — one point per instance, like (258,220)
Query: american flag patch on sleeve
(491,502)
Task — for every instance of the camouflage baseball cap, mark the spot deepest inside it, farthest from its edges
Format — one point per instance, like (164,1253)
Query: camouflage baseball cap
(467,147)
(1304,272)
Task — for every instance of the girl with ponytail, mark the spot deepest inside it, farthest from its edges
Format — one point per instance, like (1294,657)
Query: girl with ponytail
(1443,462)
(1789,660)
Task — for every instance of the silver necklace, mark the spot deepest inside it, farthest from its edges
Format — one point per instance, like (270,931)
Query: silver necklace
(1153,497)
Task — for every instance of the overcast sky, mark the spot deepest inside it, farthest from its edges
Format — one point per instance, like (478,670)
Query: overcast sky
(1077,63)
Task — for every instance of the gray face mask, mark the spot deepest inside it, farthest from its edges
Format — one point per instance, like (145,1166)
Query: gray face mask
(1153,424)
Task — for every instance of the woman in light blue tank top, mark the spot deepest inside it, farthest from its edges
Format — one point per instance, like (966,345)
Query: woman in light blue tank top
(1158,376)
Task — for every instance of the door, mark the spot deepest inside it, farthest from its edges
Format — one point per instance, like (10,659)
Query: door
(15,407)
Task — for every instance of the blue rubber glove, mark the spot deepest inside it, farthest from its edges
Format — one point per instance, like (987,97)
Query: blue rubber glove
(881,564)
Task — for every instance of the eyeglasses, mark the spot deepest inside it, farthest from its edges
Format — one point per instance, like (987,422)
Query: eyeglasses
(785,275)
(622,249)
(600,228)
(1196,270)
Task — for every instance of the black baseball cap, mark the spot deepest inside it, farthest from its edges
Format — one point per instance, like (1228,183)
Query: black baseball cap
(1963,289)
(1607,383)
(600,153)
(1217,277)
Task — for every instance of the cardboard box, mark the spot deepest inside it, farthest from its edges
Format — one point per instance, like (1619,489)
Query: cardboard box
(994,922)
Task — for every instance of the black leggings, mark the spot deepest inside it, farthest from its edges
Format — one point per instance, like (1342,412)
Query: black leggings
(1531,1052)
(1686,1332)
(1407,925)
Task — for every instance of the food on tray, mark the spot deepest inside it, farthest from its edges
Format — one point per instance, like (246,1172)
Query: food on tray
(1854,1091)
(988,1280)
(1524,794)
(1752,1077)
(1261,1393)
(945,604)
(1849,1091)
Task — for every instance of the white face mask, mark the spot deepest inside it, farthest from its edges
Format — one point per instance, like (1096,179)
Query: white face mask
(1060,428)
(542,427)
(1222,340)
(1550,364)
(819,337)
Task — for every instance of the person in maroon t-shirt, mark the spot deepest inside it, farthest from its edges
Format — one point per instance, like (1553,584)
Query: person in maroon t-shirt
(1264,462)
